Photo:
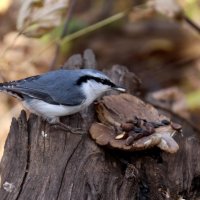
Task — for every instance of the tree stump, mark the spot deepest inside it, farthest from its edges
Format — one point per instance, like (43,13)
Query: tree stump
(42,162)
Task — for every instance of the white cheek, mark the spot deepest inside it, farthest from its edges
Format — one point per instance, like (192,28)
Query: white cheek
(94,90)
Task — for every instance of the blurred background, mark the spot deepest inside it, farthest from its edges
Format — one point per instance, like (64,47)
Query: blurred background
(158,40)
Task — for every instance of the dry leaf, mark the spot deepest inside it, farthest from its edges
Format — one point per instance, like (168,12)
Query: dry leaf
(37,17)
(170,8)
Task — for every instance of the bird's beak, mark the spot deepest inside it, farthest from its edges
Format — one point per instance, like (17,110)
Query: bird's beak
(120,89)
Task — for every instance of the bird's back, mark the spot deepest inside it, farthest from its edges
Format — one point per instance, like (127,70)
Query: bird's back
(55,87)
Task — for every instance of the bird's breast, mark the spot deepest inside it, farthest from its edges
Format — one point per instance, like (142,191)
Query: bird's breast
(49,110)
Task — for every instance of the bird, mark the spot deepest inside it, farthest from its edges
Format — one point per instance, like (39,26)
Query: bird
(60,92)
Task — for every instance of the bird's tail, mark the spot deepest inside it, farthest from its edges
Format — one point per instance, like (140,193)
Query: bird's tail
(7,88)
(1,87)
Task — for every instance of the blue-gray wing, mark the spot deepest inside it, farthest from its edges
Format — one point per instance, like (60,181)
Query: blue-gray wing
(56,87)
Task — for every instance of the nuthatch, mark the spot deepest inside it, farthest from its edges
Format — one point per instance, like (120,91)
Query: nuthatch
(60,92)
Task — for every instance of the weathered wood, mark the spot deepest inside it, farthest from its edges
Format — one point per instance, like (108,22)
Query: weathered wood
(42,162)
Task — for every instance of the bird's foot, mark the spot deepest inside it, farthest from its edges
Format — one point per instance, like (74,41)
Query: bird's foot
(65,127)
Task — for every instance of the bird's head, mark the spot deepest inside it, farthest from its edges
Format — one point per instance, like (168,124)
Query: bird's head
(93,81)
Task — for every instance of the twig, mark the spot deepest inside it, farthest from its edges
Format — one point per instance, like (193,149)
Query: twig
(94,27)
(80,33)
(191,23)
(64,32)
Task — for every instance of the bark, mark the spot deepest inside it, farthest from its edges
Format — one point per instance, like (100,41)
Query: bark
(44,162)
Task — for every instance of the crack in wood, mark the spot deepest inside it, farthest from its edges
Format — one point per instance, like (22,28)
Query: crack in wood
(63,174)
(27,158)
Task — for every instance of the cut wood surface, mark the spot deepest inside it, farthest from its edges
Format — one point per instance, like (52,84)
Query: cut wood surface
(43,162)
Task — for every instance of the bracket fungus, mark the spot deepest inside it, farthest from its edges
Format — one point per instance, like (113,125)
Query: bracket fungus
(129,124)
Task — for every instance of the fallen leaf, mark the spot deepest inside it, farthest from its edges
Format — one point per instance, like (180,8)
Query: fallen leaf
(170,8)
(37,17)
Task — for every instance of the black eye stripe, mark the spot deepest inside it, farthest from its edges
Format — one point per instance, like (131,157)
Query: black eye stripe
(85,78)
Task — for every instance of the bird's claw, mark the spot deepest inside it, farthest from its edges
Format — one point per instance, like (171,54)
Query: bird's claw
(65,127)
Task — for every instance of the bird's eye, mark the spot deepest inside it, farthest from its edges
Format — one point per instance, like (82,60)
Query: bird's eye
(103,80)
